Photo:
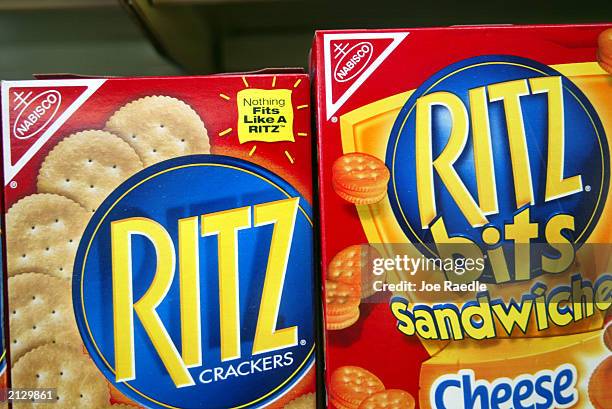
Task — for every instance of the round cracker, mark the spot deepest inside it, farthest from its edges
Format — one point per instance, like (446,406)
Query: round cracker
(160,128)
(353,384)
(600,393)
(346,266)
(340,405)
(334,323)
(40,312)
(360,172)
(353,266)
(604,44)
(389,399)
(306,401)
(340,298)
(87,166)
(360,198)
(77,381)
(43,233)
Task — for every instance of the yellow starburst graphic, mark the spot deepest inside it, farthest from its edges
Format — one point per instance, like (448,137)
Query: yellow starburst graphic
(264,115)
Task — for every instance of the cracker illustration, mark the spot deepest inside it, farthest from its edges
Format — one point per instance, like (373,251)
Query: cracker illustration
(77,381)
(160,128)
(351,385)
(87,166)
(306,401)
(40,312)
(357,200)
(389,399)
(604,50)
(341,305)
(360,178)
(600,393)
(338,322)
(43,233)
(353,266)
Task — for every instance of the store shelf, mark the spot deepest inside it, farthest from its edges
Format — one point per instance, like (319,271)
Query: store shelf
(53,4)
(100,40)
(205,36)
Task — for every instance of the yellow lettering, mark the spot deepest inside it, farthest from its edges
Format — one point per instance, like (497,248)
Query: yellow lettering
(448,318)
(483,152)
(556,185)
(189,267)
(225,226)
(603,293)
(559,242)
(521,230)
(583,300)
(513,316)
(482,311)
(282,215)
(510,93)
(145,308)
(425,325)
(450,246)
(443,164)
(555,302)
(404,323)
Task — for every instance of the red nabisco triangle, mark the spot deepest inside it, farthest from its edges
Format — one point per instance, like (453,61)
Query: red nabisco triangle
(33,111)
(350,58)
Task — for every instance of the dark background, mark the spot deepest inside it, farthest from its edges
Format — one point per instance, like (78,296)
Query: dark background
(156,37)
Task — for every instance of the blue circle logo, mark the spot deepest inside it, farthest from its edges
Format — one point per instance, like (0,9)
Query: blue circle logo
(193,285)
(499,152)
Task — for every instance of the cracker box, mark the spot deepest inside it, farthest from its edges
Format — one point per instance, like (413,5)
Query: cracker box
(464,181)
(3,382)
(159,240)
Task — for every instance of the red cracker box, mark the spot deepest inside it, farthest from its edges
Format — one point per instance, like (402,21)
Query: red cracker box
(3,382)
(159,241)
(464,179)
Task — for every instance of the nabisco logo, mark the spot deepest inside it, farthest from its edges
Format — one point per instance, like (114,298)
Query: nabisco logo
(36,113)
(353,61)
(33,111)
(349,59)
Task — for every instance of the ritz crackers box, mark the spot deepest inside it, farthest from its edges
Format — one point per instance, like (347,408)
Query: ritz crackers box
(464,197)
(159,240)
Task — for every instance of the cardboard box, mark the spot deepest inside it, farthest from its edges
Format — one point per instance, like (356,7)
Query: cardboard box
(3,382)
(160,240)
(464,180)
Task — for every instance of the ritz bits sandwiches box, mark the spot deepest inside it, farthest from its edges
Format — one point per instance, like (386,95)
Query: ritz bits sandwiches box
(465,207)
(159,240)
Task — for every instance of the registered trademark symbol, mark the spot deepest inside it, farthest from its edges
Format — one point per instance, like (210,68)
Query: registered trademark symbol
(13,184)
(334,119)
(587,188)
(303,342)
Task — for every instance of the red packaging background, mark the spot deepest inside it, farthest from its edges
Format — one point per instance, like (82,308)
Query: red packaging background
(219,114)
(421,54)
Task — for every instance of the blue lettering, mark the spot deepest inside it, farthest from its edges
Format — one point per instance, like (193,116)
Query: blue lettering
(564,381)
(547,389)
(439,391)
(523,390)
(501,393)
(544,392)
